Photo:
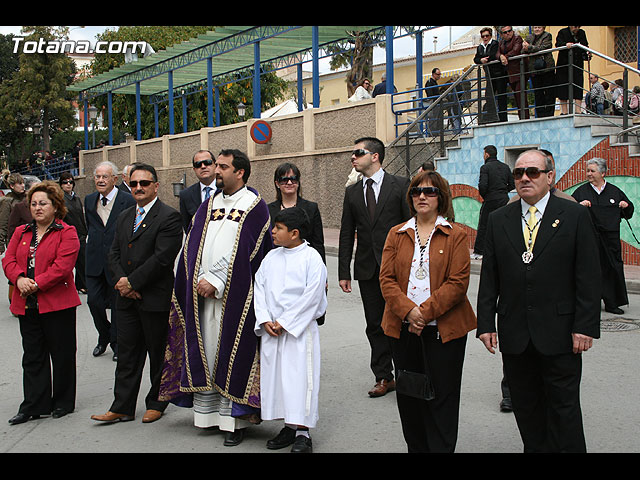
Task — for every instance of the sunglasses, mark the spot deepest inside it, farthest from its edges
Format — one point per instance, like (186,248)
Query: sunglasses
(427,191)
(360,152)
(199,163)
(532,172)
(64,182)
(285,180)
(142,183)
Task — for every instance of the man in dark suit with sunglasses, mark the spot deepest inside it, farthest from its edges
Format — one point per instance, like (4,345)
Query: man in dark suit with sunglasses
(371,207)
(540,276)
(147,240)
(192,197)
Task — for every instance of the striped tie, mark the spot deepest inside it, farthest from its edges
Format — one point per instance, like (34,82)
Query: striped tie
(140,212)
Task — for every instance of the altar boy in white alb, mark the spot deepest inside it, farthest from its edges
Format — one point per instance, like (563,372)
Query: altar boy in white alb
(289,295)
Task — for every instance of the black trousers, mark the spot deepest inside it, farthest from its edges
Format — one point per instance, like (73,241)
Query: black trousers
(48,361)
(373,303)
(100,297)
(486,208)
(140,333)
(545,393)
(431,426)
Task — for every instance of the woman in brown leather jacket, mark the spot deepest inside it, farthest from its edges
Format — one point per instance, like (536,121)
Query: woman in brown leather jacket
(424,278)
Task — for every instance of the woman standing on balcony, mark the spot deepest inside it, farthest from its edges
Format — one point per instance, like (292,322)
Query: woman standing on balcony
(542,70)
(568,37)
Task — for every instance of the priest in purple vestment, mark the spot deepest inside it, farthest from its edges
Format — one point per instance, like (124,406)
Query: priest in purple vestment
(211,359)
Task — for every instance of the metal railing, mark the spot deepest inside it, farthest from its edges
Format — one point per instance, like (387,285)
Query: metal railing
(426,123)
(49,169)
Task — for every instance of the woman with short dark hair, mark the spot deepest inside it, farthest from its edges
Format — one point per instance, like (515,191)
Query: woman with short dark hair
(39,261)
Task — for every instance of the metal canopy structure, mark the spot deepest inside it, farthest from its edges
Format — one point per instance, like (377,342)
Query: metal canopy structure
(226,55)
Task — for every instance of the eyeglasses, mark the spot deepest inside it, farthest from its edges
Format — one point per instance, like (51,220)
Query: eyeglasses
(507,31)
(200,163)
(486,35)
(142,183)
(67,182)
(285,180)
(40,204)
(427,191)
(532,172)
(360,152)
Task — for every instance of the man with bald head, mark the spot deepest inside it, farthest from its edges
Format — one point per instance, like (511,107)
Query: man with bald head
(541,277)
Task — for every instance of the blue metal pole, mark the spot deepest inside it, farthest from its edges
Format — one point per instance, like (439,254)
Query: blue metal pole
(184,113)
(155,118)
(300,94)
(217,99)
(315,46)
(389,52)
(110,113)
(138,124)
(171,119)
(210,92)
(86,124)
(256,81)
(419,63)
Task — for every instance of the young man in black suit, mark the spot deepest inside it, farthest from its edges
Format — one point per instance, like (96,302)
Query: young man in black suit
(101,209)
(371,207)
(541,276)
(147,241)
(191,198)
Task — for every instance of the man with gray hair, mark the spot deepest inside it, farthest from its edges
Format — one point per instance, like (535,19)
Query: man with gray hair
(540,278)
(608,205)
(101,209)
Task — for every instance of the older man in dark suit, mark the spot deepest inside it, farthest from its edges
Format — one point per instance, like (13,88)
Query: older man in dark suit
(147,241)
(191,198)
(371,207)
(541,276)
(101,209)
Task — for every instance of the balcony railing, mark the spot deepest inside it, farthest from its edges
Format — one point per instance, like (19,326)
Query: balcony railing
(429,119)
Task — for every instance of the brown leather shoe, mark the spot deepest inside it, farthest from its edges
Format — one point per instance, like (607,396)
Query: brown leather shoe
(151,416)
(382,387)
(111,417)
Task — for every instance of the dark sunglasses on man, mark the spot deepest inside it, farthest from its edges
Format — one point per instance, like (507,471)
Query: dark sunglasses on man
(208,162)
(142,183)
(427,191)
(360,152)
(532,172)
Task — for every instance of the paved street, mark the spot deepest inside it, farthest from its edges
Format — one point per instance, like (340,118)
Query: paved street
(350,421)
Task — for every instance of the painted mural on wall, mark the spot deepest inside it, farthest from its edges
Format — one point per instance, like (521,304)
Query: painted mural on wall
(571,146)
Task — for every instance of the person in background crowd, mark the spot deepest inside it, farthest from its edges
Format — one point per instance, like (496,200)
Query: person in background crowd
(567,37)
(75,217)
(542,70)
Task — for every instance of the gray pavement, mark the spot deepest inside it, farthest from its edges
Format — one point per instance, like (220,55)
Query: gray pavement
(350,421)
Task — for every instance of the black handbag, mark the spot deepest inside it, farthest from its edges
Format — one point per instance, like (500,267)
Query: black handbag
(415,384)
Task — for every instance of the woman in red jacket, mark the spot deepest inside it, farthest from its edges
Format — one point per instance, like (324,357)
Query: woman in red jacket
(39,261)
(424,278)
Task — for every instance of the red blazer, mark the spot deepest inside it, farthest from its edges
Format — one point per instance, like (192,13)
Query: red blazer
(55,260)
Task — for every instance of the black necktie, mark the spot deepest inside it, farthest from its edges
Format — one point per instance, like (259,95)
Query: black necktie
(371,198)
(104,201)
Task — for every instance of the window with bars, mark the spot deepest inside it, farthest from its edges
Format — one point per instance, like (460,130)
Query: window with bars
(626,44)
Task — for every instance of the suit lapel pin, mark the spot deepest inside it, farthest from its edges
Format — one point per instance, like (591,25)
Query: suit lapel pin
(555,223)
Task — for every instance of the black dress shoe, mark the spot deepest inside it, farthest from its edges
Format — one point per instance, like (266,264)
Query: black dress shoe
(616,310)
(285,438)
(115,352)
(302,444)
(505,405)
(99,350)
(234,438)
(59,412)
(21,418)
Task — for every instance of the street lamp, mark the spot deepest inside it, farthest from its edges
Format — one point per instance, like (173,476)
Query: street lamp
(241,110)
(93,113)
